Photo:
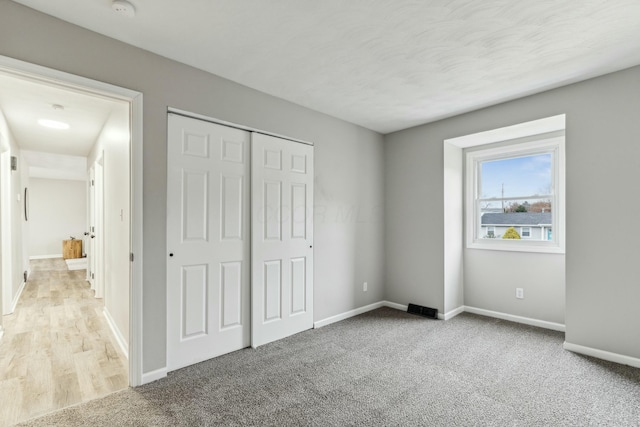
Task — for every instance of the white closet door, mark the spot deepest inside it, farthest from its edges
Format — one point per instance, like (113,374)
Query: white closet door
(281,238)
(208,272)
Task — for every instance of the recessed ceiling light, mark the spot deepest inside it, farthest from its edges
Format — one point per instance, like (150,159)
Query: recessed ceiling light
(53,124)
(123,7)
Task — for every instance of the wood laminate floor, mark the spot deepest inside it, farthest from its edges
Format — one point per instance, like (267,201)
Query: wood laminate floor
(57,348)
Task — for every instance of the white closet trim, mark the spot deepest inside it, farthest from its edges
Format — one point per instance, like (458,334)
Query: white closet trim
(232,125)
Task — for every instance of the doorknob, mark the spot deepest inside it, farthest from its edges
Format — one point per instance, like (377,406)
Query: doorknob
(93,236)
(171,254)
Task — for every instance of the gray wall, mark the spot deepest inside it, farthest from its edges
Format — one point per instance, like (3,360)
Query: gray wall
(348,159)
(414,216)
(491,279)
(603,169)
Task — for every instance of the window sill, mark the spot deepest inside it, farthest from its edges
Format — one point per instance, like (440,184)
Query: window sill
(517,246)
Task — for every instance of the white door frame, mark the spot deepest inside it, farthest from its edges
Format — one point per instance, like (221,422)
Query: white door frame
(73,82)
(98,247)
(89,241)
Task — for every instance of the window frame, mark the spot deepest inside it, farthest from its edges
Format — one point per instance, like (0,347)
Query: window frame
(508,149)
(528,228)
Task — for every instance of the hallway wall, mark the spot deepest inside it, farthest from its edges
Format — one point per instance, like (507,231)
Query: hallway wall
(17,262)
(113,145)
(57,210)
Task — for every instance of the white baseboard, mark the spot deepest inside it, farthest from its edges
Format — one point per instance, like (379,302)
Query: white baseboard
(453,313)
(395,305)
(152,376)
(45,256)
(364,309)
(347,314)
(602,354)
(518,319)
(16,298)
(442,316)
(122,343)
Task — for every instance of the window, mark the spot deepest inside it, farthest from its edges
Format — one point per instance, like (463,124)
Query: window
(515,195)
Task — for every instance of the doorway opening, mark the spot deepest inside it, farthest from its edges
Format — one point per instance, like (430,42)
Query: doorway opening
(81,188)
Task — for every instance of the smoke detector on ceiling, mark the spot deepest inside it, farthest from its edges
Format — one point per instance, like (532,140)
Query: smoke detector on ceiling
(123,7)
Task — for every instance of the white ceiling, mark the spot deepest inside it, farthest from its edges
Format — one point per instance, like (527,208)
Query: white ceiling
(52,153)
(386,65)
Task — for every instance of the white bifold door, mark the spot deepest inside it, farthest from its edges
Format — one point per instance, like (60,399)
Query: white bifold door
(208,241)
(239,239)
(281,238)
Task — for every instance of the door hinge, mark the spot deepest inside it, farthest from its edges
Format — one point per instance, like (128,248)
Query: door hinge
(92,183)
(93,276)
(131,256)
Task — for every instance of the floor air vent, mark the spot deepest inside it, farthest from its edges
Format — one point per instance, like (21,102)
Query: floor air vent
(429,312)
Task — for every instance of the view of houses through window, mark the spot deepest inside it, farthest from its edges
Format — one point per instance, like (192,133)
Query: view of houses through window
(515,197)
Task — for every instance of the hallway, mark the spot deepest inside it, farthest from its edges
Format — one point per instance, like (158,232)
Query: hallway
(57,349)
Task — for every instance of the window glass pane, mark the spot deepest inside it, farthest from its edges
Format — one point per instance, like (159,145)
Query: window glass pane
(516,176)
(531,219)
(542,204)
(515,191)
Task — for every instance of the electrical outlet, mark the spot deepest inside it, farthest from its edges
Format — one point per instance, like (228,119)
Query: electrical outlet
(520,293)
(364,286)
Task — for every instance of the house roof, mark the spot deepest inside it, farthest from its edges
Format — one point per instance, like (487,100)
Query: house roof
(517,218)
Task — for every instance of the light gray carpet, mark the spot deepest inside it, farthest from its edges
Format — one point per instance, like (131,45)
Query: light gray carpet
(384,367)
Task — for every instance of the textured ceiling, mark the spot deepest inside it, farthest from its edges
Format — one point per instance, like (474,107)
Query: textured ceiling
(386,65)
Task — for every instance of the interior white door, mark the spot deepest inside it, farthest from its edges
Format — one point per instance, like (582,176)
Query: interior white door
(208,271)
(281,238)
(90,240)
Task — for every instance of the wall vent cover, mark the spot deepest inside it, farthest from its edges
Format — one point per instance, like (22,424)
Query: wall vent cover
(420,310)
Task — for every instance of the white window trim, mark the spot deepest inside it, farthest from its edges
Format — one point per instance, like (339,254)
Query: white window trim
(472,217)
(522,232)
